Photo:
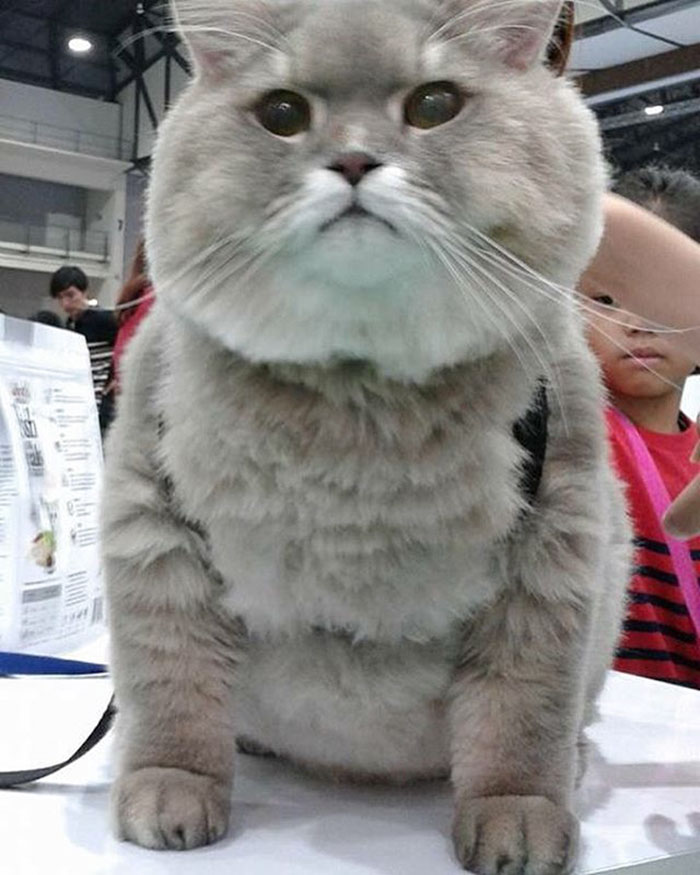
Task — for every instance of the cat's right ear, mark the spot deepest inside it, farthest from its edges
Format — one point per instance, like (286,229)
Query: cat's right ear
(206,29)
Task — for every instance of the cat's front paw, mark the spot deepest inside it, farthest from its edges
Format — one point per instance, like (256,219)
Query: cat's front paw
(170,808)
(514,835)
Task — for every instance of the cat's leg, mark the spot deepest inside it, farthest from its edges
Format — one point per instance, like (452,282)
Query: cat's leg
(173,654)
(515,715)
(172,661)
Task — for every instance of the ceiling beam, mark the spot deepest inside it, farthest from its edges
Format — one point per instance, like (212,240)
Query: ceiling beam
(649,11)
(643,70)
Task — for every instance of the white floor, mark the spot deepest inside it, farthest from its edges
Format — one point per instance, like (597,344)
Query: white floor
(640,803)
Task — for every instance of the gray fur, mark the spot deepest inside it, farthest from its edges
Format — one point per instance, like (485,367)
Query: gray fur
(314,536)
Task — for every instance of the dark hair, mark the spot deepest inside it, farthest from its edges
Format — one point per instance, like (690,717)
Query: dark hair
(47,317)
(137,283)
(68,276)
(673,194)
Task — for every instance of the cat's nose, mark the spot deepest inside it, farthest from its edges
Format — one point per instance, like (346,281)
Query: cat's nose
(354,166)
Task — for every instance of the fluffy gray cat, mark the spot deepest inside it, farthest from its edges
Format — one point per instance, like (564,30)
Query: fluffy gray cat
(363,219)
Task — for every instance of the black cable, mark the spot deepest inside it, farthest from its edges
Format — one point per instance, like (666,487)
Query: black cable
(612,12)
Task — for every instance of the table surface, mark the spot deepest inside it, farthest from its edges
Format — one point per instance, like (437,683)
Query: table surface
(639,803)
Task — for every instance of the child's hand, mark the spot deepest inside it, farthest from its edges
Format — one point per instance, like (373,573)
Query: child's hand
(682,519)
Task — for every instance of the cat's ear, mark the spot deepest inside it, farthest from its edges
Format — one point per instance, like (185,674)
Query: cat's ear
(219,33)
(200,25)
(517,32)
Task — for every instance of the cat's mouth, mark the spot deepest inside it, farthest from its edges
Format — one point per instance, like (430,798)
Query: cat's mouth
(356,212)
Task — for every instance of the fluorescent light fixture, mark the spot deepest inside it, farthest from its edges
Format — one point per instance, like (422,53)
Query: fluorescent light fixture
(79,45)
(656,109)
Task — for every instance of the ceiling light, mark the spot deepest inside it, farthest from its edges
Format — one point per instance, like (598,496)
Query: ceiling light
(79,45)
(656,109)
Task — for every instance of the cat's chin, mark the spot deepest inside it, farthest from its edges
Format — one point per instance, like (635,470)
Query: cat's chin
(405,326)
(356,251)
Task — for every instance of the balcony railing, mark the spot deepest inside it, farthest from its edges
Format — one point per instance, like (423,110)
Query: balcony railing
(54,240)
(68,139)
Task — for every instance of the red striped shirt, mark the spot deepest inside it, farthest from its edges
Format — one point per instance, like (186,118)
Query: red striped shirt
(659,639)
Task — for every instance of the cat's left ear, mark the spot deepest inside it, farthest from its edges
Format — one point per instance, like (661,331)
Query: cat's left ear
(517,32)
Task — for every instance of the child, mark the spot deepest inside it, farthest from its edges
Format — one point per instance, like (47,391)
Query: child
(652,442)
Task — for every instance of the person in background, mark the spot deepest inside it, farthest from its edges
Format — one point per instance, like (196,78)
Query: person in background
(69,286)
(47,317)
(653,446)
(134,301)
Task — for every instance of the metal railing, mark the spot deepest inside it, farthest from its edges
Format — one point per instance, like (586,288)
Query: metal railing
(29,237)
(68,139)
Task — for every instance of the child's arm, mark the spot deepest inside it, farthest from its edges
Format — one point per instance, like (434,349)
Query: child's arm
(650,267)
(653,269)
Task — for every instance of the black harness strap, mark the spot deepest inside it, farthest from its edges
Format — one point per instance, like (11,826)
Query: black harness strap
(530,431)
(26,776)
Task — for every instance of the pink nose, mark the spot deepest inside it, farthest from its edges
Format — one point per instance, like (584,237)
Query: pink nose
(354,165)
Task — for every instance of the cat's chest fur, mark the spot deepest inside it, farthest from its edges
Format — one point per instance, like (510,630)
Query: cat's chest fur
(340,501)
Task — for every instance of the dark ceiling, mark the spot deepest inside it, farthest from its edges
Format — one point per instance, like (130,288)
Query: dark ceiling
(33,36)
(34,33)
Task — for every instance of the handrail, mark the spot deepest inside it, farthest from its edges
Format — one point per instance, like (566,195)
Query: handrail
(69,139)
(68,241)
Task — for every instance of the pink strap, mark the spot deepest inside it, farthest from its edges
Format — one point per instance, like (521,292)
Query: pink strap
(656,488)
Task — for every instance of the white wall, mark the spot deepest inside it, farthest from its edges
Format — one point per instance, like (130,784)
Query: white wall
(66,112)
(690,402)
(23,292)
(32,200)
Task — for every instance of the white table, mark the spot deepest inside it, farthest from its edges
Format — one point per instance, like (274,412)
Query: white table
(640,802)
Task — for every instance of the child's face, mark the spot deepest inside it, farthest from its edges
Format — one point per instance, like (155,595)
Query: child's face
(636,362)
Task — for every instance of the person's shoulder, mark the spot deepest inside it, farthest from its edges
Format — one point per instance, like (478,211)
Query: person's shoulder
(99,315)
(98,325)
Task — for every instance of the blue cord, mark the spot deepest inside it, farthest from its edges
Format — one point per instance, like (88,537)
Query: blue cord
(29,664)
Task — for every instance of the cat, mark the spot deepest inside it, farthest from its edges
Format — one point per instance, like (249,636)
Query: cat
(362,222)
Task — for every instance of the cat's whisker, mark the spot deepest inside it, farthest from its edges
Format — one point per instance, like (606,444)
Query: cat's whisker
(639,361)
(475,9)
(554,298)
(465,37)
(197,12)
(223,31)
(565,296)
(205,255)
(561,291)
(458,277)
(466,265)
(552,373)
(551,368)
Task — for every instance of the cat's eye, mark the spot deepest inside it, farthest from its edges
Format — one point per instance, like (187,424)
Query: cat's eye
(284,113)
(433,104)
(605,300)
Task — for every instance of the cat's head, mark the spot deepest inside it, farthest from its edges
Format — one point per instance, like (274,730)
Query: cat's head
(328,185)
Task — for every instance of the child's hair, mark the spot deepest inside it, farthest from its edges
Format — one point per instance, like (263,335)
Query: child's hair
(68,276)
(674,195)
